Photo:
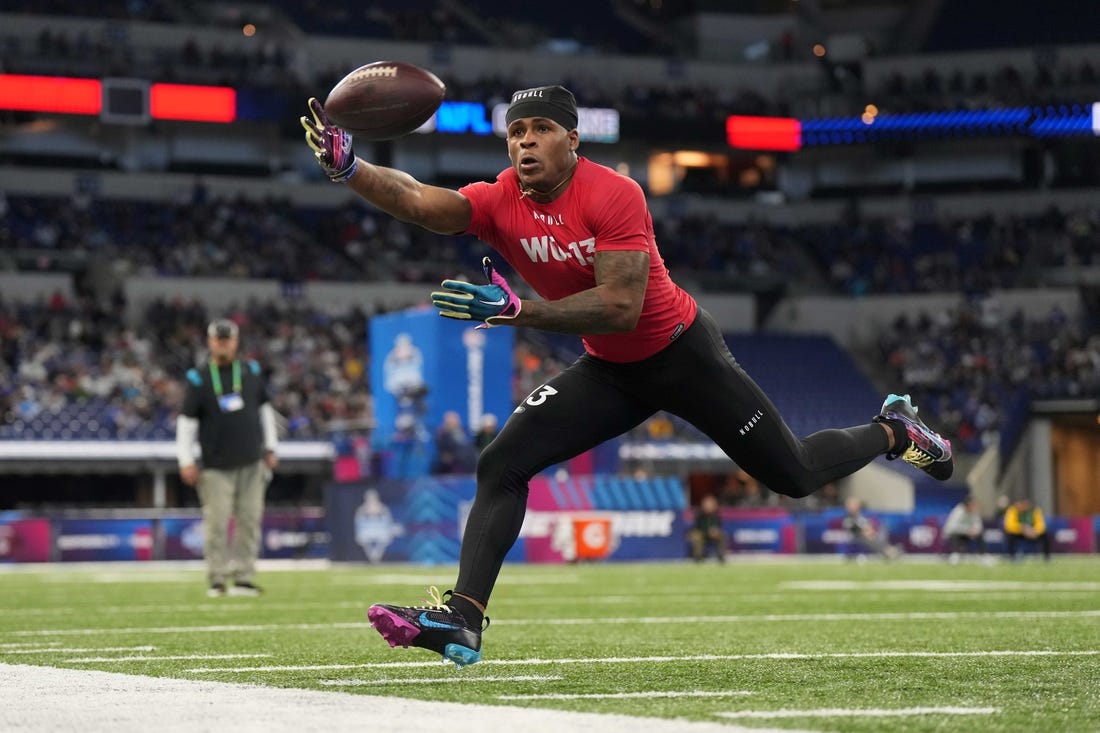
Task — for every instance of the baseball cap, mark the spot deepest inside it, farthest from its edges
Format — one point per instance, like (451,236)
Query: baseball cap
(554,103)
(222,328)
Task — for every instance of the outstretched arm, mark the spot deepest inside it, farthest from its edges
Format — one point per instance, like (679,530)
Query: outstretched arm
(440,210)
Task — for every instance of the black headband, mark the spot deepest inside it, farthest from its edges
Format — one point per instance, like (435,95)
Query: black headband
(554,103)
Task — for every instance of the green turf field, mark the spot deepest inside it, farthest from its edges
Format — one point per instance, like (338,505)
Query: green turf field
(813,645)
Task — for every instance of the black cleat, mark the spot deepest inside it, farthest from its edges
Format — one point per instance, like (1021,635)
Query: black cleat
(435,626)
(926,450)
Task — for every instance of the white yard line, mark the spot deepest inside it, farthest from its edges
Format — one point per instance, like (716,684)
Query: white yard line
(741,618)
(51,700)
(24,644)
(423,581)
(249,605)
(436,680)
(84,660)
(857,712)
(935,585)
(627,695)
(603,620)
(240,604)
(648,660)
(78,650)
(215,628)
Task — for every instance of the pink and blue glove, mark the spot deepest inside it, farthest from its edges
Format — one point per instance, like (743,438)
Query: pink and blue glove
(493,304)
(331,145)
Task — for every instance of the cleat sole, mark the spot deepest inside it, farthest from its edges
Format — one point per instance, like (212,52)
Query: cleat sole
(461,655)
(394,629)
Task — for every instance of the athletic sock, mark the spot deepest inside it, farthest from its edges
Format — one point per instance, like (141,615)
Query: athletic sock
(901,436)
(469,611)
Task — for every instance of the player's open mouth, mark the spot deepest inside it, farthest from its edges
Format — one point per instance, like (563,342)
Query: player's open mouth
(528,163)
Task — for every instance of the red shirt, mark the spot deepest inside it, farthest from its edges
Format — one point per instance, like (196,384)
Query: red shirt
(552,247)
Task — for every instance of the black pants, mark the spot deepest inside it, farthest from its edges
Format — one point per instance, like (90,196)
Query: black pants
(593,401)
(1014,540)
(965,543)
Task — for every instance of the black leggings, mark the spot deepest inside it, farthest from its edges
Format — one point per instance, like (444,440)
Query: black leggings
(593,401)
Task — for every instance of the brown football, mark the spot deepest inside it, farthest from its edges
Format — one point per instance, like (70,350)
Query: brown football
(384,100)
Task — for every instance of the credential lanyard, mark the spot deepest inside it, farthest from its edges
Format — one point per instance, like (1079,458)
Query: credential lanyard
(216,379)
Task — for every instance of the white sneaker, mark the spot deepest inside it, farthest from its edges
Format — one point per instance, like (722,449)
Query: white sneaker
(244,589)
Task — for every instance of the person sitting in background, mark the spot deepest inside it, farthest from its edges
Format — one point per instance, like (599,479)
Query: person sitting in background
(863,531)
(1024,522)
(486,431)
(707,531)
(453,449)
(962,532)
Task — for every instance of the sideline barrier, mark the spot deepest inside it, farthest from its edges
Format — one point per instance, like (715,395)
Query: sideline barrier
(137,535)
(422,521)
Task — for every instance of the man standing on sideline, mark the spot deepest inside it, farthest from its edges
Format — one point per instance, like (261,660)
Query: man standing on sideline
(226,407)
(581,235)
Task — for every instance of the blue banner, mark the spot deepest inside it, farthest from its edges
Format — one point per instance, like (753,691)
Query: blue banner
(284,534)
(424,366)
(104,539)
(419,520)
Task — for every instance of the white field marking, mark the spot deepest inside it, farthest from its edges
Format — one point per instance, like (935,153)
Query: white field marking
(948,586)
(905,616)
(248,605)
(785,596)
(83,660)
(436,680)
(233,605)
(50,700)
(858,712)
(427,580)
(78,650)
(249,608)
(648,660)
(21,644)
(227,604)
(217,628)
(168,571)
(626,695)
(884,616)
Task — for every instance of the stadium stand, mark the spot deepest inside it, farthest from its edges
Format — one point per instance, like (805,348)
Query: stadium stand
(72,371)
(107,370)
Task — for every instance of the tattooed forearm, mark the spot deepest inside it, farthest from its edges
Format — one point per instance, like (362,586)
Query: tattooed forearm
(405,198)
(613,306)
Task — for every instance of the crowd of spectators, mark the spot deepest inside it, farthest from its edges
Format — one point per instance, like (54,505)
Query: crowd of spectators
(1046,82)
(59,353)
(471,22)
(224,237)
(273,239)
(270,64)
(966,365)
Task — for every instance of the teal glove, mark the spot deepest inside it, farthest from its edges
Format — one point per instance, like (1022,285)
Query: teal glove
(492,304)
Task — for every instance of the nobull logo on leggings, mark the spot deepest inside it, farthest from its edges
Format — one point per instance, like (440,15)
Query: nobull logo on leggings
(751,422)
